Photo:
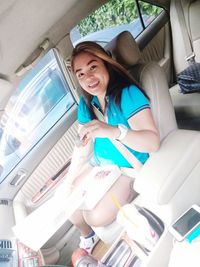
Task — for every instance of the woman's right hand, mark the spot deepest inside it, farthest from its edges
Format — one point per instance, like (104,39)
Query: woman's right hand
(81,141)
(96,128)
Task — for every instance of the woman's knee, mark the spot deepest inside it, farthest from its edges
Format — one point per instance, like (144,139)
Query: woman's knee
(77,218)
(105,211)
(100,216)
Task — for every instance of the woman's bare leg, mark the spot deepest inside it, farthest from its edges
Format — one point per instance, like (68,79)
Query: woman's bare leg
(78,220)
(105,211)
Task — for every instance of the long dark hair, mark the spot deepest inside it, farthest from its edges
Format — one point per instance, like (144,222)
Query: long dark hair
(119,77)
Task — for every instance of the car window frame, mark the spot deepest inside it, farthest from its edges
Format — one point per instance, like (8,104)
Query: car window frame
(140,17)
(69,115)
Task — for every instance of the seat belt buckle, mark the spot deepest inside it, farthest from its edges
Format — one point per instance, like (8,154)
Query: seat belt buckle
(191,58)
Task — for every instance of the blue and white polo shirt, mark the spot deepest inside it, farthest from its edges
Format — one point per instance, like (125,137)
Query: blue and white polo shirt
(132,102)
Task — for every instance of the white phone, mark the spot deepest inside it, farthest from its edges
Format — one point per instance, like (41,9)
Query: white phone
(186,223)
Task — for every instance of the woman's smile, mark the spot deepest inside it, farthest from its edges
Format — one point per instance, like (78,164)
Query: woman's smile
(94,84)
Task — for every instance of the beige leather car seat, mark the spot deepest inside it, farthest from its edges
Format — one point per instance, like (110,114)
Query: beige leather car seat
(170,174)
(186,106)
(191,11)
(151,76)
(168,183)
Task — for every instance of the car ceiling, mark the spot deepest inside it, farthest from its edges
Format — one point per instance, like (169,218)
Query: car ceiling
(25,24)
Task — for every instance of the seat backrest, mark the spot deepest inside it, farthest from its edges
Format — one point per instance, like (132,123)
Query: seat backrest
(150,76)
(191,15)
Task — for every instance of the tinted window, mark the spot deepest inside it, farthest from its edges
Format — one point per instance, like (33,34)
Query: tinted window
(150,11)
(38,102)
(112,18)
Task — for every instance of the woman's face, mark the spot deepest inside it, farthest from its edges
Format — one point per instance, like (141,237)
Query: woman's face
(92,74)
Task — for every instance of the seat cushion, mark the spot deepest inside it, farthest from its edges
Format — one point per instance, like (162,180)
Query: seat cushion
(173,170)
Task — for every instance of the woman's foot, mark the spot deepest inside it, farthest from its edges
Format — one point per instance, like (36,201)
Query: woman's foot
(89,242)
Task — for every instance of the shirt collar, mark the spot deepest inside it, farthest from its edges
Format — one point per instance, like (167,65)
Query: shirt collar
(95,101)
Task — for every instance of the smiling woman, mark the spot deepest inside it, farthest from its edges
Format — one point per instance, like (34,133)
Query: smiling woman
(107,86)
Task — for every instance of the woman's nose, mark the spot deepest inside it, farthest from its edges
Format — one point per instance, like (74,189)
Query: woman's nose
(89,75)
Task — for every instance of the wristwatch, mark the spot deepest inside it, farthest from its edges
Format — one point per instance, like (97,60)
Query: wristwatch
(123,131)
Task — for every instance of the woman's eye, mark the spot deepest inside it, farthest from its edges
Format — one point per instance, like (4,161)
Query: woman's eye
(93,67)
(80,75)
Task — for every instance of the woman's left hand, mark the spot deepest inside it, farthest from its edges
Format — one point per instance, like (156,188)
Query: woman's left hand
(97,128)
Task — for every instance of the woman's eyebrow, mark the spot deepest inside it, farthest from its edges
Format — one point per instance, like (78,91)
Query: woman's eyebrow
(89,62)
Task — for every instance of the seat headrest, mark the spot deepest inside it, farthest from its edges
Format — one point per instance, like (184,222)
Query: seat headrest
(124,49)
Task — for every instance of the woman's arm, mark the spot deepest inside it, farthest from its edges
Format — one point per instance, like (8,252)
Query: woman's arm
(81,154)
(143,135)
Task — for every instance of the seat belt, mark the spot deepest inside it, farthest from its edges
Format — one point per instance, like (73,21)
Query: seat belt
(134,162)
(190,55)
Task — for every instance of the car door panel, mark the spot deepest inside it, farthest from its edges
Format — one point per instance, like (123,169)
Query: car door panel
(7,219)
(50,165)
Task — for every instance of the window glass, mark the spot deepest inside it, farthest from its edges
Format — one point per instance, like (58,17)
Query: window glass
(38,102)
(149,11)
(112,18)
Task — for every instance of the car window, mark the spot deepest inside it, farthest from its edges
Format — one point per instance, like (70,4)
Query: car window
(116,16)
(40,100)
(149,11)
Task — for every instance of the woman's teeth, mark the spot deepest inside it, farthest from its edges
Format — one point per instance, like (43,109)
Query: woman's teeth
(92,85)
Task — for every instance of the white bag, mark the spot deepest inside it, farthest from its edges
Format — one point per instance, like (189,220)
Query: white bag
(100,181)
(35,229)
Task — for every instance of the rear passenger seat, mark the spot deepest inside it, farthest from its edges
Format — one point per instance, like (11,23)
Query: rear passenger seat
(187,107)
